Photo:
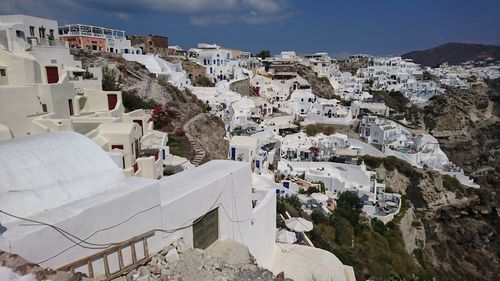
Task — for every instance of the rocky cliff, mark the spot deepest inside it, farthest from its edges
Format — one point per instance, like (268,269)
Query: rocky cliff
(141,89)
(451,230)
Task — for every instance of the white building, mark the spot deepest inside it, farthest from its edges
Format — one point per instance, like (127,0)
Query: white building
(321,64)
(28,30)
(217,61)
(90,37)
(66,179)
(249,149)
(42,90)
(337,177)
(70,181)
(385,133)
(172,72)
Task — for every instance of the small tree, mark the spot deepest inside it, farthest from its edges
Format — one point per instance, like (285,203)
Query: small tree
(263,54)
(111,81)
(202,81)
(87,75)
(350,207)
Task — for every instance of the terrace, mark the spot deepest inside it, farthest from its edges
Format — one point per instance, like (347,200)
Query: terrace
(92,31)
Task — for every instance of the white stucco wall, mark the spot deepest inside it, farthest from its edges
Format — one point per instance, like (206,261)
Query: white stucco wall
(125,207)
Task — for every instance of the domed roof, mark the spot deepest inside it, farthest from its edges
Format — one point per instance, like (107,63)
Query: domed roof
(49,170)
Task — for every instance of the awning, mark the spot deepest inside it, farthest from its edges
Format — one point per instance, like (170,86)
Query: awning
(299,224)
(285,236)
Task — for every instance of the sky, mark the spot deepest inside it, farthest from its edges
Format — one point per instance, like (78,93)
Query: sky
(340,27)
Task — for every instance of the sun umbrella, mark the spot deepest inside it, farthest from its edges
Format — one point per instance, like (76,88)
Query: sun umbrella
(299,224)
(285,236)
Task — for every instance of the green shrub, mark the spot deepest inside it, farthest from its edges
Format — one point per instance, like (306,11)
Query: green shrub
(111,80)
(202,81)
(350,207)
(452,184)
(132,101)
(314,129)
(179,145)
(344,232)
(318,217)
(87,75)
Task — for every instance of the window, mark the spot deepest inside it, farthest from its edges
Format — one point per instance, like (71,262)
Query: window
(206,230)
(41,32)
(44,107)
(51,32)
(32,31)
(20,34)
(3,73)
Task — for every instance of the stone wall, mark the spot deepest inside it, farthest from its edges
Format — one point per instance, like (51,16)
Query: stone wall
(241,87)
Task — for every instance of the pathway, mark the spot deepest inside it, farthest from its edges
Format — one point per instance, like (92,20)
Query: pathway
(199,151)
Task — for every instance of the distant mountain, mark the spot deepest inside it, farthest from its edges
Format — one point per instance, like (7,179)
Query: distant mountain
(454,53)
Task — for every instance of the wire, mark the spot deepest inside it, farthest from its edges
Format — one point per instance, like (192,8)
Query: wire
(77,241)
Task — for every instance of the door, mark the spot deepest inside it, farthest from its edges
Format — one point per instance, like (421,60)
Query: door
(140,124)
(112,101)
(70,104)
(52,74)
(137,148)
(206,230)
(233,153)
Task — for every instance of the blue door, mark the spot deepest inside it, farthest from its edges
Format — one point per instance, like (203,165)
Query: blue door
(257,164)
(286,184)
(233,153)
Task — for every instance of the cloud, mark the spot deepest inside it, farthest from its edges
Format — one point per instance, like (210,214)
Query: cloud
(256,18)
(199,12)
(30,7)
(164,6)
(265,6)
(210,20)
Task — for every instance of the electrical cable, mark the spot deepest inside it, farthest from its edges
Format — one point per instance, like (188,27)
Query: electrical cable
(77,241)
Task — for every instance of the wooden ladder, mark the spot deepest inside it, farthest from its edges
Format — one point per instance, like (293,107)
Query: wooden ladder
(118,249)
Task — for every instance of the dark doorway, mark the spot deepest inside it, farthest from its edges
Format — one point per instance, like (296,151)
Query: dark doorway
(70,104)
(206,230)
(52,74)
(112,100)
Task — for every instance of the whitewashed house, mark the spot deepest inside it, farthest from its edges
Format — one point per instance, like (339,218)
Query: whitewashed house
(218,62)
(43,91)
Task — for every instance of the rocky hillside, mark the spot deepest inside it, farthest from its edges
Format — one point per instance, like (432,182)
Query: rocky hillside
(451,230)
(461,225)
(140,89)
(467,125)
(454,53)
(209,132)
(320,87)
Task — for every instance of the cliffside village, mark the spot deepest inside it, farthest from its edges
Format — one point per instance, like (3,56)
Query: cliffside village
(74,161)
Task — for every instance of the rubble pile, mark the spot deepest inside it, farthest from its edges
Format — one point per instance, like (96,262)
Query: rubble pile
(226,260)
